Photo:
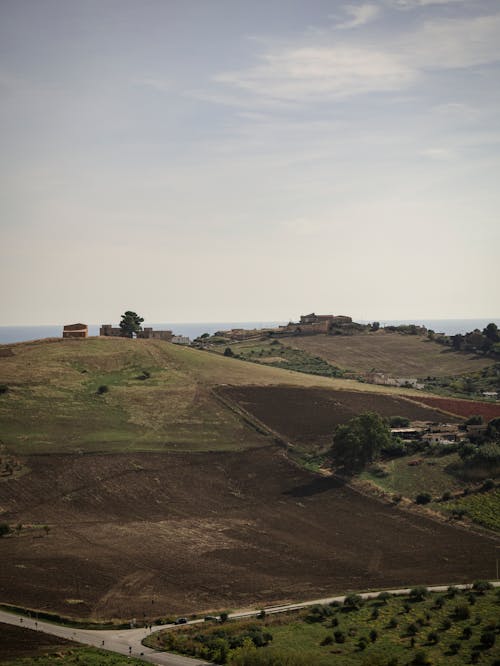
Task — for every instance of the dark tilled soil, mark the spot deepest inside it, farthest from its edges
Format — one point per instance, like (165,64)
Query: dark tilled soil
(464,408)
(148,535)
(18,642)
(309,416)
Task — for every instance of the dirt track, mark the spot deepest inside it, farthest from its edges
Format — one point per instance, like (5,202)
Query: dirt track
(173,533)
(309,416)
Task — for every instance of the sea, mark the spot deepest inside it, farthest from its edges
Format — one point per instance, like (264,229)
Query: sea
(10,334)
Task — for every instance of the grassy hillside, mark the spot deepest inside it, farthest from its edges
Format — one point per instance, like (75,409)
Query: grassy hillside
(157,396)
(389,352)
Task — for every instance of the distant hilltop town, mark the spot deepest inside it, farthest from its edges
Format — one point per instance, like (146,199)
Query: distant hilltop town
(310,324)
(107,330)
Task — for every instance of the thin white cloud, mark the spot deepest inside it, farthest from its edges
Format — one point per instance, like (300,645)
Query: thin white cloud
(315,73)
(359,15)
(455,43)
(309,73)
(160,85)
(411,4)
(436,153)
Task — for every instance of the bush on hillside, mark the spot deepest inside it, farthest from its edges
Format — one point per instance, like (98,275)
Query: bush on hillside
(423,498)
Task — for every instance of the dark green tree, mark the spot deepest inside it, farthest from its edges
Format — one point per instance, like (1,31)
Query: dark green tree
(130,324)
(492,333)
(359,441)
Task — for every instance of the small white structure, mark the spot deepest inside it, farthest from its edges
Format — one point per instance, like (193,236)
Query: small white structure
(180,340)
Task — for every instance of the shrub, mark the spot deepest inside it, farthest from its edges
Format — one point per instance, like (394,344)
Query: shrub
(4,529)
(482,586)
(458,513)
(433,637)
(418,593)
(393,623)
(102,389)
(3,388)
(446,624)
(446,496)
(452,591)
(488,484)
(421,659)
(412,629)
(353,601)
(318,613)
(399,422)
(461,612)
(384,596)
(454,647)
(229,352)
(466,633)
(339,636)
(362,643)
(327,640)
(373,635)
(423,498)
(488,639)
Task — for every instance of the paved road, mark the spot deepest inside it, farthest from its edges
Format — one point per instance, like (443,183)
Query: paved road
(122,641)
(128,641)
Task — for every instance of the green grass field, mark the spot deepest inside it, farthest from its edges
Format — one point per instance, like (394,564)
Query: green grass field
(430,475)
(452,628)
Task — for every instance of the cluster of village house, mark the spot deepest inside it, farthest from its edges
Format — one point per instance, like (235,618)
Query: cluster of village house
(438,433)
(107,330)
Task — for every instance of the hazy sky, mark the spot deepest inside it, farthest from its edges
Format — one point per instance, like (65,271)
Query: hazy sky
(225,160)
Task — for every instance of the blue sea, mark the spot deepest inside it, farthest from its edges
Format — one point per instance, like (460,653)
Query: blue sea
(9,334)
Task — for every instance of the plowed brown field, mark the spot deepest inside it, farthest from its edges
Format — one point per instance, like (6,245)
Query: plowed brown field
(464,408)
(134,535)
(309,416)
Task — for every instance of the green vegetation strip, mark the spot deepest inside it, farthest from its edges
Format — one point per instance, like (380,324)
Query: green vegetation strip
(454,627)
(82,656)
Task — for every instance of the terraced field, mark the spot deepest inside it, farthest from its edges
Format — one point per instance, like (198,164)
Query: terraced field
(393,353)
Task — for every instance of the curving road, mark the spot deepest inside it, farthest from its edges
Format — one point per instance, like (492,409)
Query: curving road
(128,641)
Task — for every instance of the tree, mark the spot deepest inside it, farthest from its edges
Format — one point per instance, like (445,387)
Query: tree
(228,351)
(359,441)
(130,324)
(492,333)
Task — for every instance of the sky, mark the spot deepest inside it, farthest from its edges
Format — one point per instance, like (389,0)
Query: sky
(227,160)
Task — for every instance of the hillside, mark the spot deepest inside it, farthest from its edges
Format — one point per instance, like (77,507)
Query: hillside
(163,495)
(158,396)
(389,352)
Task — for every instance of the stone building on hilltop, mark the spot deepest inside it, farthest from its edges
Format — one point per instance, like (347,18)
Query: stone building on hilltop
(107,330)
(75,331)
